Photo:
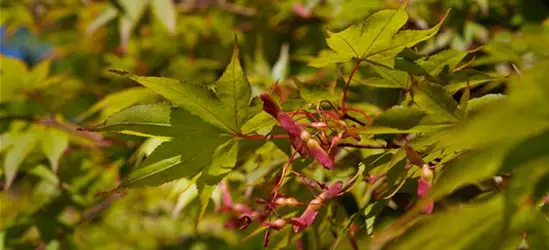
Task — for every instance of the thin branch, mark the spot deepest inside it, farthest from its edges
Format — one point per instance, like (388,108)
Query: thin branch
(347,116)
(361,112)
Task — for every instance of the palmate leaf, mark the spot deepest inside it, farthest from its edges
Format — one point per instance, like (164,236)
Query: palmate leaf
(400,119)
(228,106)
(53,143)
(200,129)
(156,120)
(166,12)
(459,79)
(173,160)
(513,118)
(444,60)
(117,101)
(472,167)
(132,12)
(528,162)
(441,68)
(477,104)
(377,39)
(388,78)
(25,143)
(234,93)
(494,130)
(190,151)
(225,158)
(434,100)
(457,228)
(13,78)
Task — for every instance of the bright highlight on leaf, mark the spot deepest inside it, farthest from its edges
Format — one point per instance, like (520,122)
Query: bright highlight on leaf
(377,39)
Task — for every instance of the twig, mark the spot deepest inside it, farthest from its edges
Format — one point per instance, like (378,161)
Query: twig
(347,116)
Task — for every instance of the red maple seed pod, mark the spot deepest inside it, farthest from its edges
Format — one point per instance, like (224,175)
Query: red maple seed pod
(314,206)
(320,155)
(292,202)
(302,11)
(424,185)
(276,225)
(281,201)
(301,140)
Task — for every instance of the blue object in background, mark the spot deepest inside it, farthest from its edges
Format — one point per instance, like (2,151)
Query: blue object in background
(24,45)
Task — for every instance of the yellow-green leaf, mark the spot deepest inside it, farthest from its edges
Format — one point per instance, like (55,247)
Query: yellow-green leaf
(17,154)
(54,142)
(166,12)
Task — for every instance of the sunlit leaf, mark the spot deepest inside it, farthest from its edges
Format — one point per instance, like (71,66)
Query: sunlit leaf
(17,154)
(186,155)
(166,12)
(376,39)
(173,160)
(205,195)
(261,123)
(133,10)
(106,16)
(224,159)
(228,106)
(483,101)
(117,101)
(144,120)
(44,173)
(280,69)
(234,93)
(13,78)
(54,142)
(38,74)
(185,197)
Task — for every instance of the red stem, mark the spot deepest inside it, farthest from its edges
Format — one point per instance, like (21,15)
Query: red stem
(348,84)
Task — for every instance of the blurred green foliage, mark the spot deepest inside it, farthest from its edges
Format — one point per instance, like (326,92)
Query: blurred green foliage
(467,92)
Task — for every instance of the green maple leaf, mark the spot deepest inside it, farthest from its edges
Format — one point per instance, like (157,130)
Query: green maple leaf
(377,39)
(204,127)
(227,105)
